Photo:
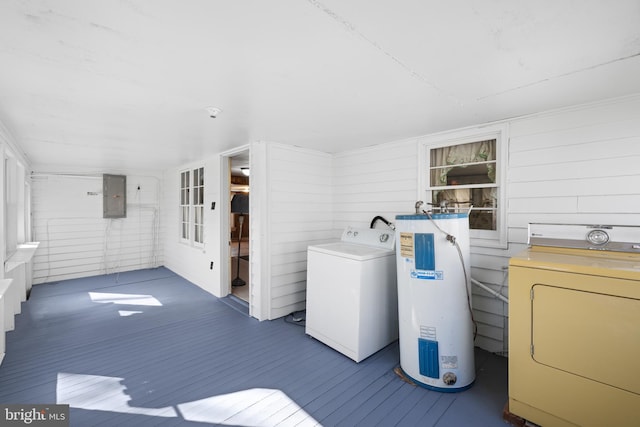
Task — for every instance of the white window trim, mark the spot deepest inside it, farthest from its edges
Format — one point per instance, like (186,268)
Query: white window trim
(499,132)
(192,208)
(180,206)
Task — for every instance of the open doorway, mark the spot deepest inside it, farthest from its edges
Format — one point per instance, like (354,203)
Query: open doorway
(239,242)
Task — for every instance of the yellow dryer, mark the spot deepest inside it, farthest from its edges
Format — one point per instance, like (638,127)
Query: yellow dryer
(574,326)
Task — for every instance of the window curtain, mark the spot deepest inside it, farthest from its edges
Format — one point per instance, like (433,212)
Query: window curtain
(460,156)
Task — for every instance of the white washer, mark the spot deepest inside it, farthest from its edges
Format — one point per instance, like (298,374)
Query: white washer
(352,297)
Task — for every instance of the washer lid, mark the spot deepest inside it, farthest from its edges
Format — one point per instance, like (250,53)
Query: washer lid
(351,251)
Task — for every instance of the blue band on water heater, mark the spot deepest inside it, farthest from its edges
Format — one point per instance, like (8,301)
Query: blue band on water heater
(428,358)
(424,251)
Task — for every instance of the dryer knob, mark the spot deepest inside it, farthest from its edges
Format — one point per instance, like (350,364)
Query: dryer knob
(598,237)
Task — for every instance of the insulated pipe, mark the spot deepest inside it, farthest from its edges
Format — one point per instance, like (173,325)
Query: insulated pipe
(491,291)
(378,217)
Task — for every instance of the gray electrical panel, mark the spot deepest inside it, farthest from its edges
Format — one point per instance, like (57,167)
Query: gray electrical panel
(114,196)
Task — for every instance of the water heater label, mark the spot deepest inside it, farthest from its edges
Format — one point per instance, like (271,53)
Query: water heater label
(449,362)
(427,275)
(406,245)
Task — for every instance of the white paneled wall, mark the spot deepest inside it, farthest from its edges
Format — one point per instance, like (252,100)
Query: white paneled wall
(76,241)
(184,258)
(299,194)
(577,165)
(15,274)
(574,166)
(380,180)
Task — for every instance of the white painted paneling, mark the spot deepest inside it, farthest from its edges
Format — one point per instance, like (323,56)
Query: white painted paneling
(15,225)
(586,186)
(590,174)
(583,116)
(385,183)
(567,168)
(14,220)
(260,247)
(380,180)
(290,209)
(77,242)
(300,214)
(575,165)
(602,204)
(561,151)
(191,261)
(521,220)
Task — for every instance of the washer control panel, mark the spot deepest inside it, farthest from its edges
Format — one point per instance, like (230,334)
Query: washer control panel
(379,238)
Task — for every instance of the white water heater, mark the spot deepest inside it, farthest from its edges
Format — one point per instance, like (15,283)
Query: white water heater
(436,328)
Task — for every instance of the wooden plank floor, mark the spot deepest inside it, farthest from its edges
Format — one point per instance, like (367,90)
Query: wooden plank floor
(148,348)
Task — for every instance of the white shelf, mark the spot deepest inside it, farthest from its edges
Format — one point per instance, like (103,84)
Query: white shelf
(22,255)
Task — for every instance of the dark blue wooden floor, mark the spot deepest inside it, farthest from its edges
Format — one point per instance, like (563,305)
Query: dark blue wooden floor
(148,348)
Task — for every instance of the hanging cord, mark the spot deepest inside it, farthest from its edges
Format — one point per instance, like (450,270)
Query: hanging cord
(466,287)
(105,246)
(452,239)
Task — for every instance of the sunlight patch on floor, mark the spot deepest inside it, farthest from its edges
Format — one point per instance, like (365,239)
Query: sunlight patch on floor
(256,407)
(100,393)
(127,299)
(125,313)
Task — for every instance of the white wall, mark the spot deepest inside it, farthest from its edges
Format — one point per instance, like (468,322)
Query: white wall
(14,211)
(191,261)
(577,165)
(380,180)
(75,239)
(291,208)
(14,180)
(299,212)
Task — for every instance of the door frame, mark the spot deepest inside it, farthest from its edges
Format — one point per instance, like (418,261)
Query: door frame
(225,223)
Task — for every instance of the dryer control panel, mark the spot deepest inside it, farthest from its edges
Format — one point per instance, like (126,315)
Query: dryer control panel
(615,238)
(379,238)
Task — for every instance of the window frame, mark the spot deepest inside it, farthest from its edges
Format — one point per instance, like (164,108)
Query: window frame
(485,238)
(197,192)
(184,195)
(194,194)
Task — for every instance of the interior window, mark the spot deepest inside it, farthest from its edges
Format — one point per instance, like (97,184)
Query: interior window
(198,205)
(184,205)
(463,176)
(192,206)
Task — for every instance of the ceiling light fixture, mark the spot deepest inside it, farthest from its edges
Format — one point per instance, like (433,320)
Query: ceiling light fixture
(213,111)
(245,171)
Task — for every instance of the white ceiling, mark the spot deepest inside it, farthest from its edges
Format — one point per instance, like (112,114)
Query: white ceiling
(113,84)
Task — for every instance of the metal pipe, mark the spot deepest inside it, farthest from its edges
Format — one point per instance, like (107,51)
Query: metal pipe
(491,291)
